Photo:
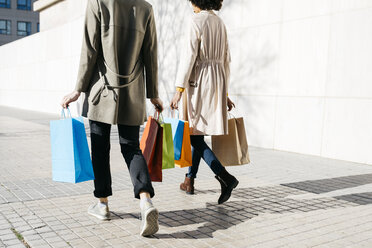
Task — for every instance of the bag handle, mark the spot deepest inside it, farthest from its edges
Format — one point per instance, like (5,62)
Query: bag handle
(161,118)
(63,115)
(175,110)
(231,115)
(157,115)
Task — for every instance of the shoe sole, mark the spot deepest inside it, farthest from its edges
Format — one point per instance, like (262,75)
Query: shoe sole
(189,193)
(99,216)
(151,225)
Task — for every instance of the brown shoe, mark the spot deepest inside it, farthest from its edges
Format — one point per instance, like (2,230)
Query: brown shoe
(188,185)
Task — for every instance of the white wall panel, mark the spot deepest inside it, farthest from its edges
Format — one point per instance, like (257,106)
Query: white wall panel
(348,130)
(259,118)
(350,73)
(297,9)
(255,60)
(303,61)
(232,13)
(58,42)
(347,5)
(260,12)
(299,124)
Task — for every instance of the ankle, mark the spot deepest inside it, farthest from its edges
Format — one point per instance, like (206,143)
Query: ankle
(189,176)
(143,201)
(102,204)
(144,195)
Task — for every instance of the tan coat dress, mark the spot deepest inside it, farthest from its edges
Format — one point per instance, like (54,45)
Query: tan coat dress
(204,73)
(119,48)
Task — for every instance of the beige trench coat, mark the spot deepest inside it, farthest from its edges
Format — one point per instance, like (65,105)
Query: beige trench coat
(119,47)
(204,73)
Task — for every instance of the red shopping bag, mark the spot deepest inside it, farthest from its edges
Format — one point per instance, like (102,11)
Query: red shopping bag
(155,164)
(152,148)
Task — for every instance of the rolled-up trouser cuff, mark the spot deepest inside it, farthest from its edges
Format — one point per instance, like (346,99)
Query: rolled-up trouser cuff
(143,188)
(102,194)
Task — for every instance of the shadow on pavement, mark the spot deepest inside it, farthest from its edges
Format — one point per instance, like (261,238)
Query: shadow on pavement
(247,203)
(331,184)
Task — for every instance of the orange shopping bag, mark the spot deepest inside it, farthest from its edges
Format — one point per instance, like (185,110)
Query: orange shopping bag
(186,155)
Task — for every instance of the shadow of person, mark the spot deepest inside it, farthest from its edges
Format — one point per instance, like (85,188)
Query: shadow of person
(247,203)
(210,219)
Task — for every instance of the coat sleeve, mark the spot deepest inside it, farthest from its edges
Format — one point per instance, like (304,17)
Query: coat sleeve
(188,57)
(90,47)
(150,57)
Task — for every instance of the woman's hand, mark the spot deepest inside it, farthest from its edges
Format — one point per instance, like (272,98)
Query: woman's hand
(72,97)
(158,103)
(230,104)
(175,100)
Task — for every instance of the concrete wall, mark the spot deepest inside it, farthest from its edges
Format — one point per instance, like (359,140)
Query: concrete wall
(54,13)
(301,72)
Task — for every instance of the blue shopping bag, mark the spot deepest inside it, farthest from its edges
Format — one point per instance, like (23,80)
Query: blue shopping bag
(71,160)
(177,133)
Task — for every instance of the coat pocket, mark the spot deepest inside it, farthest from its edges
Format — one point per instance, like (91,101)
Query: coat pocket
(193,84)
(192,81)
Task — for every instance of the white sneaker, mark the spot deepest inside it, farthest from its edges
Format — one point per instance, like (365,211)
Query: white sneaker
(99,211)
(149,216)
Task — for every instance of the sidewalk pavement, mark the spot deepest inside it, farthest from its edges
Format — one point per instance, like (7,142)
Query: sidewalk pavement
(283,200)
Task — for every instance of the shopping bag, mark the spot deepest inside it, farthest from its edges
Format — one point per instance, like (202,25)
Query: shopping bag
(71,161)
(155,164)
(232,149)
(148,139)
(186,155)
(177,133)
(168,149)
(151,145)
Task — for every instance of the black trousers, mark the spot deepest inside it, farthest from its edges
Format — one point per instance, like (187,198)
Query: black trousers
(129,143)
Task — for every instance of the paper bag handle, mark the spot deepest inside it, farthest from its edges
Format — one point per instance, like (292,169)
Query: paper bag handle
(231,115)
(63,115)
(178,113)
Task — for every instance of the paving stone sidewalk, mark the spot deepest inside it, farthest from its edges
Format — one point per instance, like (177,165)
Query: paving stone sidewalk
(283,200)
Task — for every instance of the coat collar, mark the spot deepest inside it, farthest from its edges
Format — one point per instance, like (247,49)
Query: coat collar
(208,12)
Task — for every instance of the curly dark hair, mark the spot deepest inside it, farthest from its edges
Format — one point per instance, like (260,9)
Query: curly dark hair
(208,4)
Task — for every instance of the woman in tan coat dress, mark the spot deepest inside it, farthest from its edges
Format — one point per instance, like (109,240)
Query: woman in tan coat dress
(203,77)
(119,46)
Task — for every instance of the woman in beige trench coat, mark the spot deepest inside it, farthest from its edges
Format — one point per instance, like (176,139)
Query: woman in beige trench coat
(203,76)
(119,44)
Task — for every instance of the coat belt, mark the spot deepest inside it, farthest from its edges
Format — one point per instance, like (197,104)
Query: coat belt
(209,61)
(106,86)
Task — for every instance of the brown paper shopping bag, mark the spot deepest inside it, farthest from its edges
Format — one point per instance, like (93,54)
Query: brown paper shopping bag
(232,149)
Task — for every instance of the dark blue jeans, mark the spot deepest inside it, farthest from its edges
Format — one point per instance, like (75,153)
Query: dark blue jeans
(200,149)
